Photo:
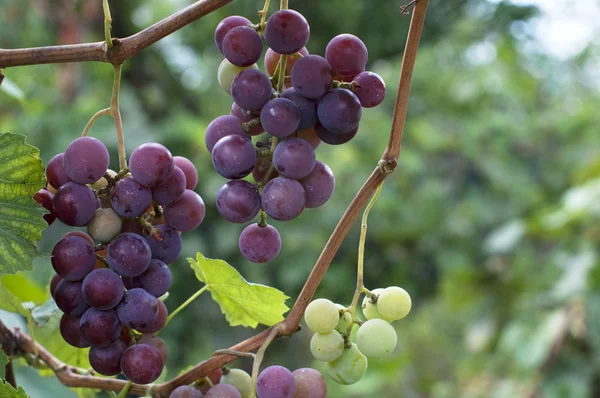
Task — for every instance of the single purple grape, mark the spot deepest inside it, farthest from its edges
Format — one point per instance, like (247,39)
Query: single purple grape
(167,245)
(103,289)
(71,332)
(312,76)
(294,158)
(100,328)
(185,214)
(339,111)
(158,323)
(260,244)
(222,127)
(318,185)
(129,198)
(107,360)
(138,309)
(73,258)
(280,117)
(129,254)
(141,364)
(188,168)
(238,201)
(251,89)
(242,46)
(283,199)
(346,54)
(275,382)
(171,190)
(151,164)
(310,383)
(286,31)
(307,108)
(370,89)
(156,342)
(156,280)
(69,298)
(74,204)
(86,160)
(226,25)
(55,171)
(234,156)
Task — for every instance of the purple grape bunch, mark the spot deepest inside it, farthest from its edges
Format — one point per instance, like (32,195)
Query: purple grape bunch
(109,281)
(319,100)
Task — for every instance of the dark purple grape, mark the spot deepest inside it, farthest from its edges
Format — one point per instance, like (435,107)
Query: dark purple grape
(167,245)
(70,331)
(156,342)
(100,328)
(171,190)
(261,168)
(307,108)
(44,198)
(159,322)
(156,280)
(318,185)
(55,171)
(339,111)
(107,360)
(346,54)
(226,25)
(141,364)
(223,391)
(310,383)
(53,283)
(222,127)
(280,117)
(191,174)
(275,381)
(139,309)
(74,204)
(103,289)
(260,244)
(286,31)
(69,298)
(312,76)
(294,158)
(129,198)
(242,46)
(81,234)
(332,138)
(272,58)
(234,157)
(186,392)
(86,160)
(73,258)
(129,254)
(238,201)
(186,213)
(283,199)
(151,164)
(251,89)
(132,225)
(245,117)
(370,89)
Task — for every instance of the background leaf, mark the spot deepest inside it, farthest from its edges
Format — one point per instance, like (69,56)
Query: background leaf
(7,391)
(3,362)
(11,303)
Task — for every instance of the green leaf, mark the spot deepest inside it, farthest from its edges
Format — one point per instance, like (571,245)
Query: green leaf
(243,303)
(21,222)
(3,362)
(7,391)
(11,303)
(24,288)
(44,312)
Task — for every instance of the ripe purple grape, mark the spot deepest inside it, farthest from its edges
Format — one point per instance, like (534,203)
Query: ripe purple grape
(226,25)
(172,189)
(129,198)
(310,383)
(280,117)
(318,185)
(138,309)
(156,342)
(151,164)
(100,328)
(191,174)
(261,168)
(346,54)
(294,158)
(86,160)
(222,127)
(275,382)
(103,289)
(186,213)
(272,58)
(238,201)
(339,111)
(251,89)
(73,258)
(129,254)
(260,244)
(332,138)
(307,108)
(223,391)
(245,117)
(234,157)
(141,364)
(69,298)
(158,323)
(156,280)
(286,31)
(70,331)
(168,247)
(74,204)
(55,171)
(312,76)
(283,199)
(53,283)
(370,89)
(81,234)
(186,392)
(242,46)
(107,360)
(44,199)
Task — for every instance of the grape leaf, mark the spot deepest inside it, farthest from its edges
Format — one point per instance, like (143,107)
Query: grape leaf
(3,362)
(243,303)
(44,312)
(24,288)
(7,391)
(11,303)
(21,222)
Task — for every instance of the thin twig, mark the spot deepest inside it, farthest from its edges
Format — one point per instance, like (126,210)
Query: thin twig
(260,355)
(107,24)
(9,374)
(403,9)
(93,119)
(116,114)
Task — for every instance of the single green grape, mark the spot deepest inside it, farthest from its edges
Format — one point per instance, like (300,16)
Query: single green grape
(348,368)
(327,347)
(370,310)
(104,225)
(227,71)
(345,320)
(394,303)
(376,338)
(239,379)
(321,316)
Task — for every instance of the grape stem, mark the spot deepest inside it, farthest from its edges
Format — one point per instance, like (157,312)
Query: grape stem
(125,390)
(107,24)
(263,218)
(93,119)
(235,353)
(283,4)
(263,14)
(102,260)
(260,354)
(263,182)
(186,303)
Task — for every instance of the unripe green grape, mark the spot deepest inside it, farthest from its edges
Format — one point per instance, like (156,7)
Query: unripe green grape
(227,71)
(348,368)
(345,320)
(239,379)
(376,338)
(327,347)
(102,182)
(321,316)
(369,309)
(104,225)
(394,303)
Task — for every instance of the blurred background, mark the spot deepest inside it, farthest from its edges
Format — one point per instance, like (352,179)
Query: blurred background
(491,221)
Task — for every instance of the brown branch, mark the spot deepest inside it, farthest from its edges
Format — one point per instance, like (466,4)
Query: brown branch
(9,374)
(123,48)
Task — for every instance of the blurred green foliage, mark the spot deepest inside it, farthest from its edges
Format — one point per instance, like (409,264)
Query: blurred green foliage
(490,221)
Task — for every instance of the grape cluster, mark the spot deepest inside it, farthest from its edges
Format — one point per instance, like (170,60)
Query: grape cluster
(375,338)
(315,99)
(272,382)
(109,292)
